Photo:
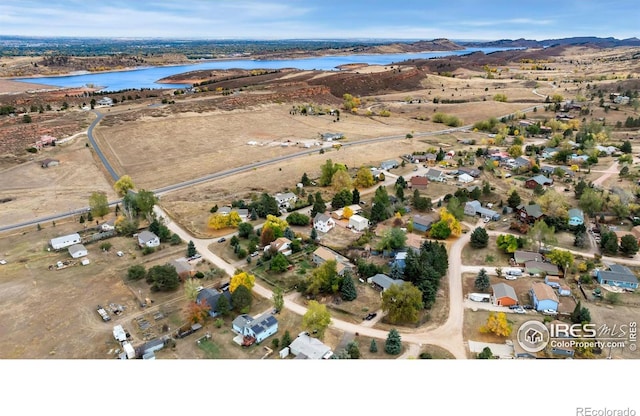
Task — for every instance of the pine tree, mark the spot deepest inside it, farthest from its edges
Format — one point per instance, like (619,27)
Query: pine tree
(374,346)
(348,290)
(286,339)
(81,219)
(393,344)
(191,249)
(355,196)
(254,214)
(479,238)
(482,280)
(314,234)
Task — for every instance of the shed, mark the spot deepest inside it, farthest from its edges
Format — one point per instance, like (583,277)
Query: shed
(77,251)
(383,282)
(504,295)
(465,178)
(358,223)
(47,163)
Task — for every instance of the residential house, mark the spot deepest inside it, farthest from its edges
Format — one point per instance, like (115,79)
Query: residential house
(323,223)
(521,257)
(473,172)
(183,268)
(465,178)
(383,282)
(576,217)
(105,101)
(549,152)
(529,213)
(323,254)
(418,182)
(339,213)
(259,328)
(306,347)
(243,213)
(475,208)
(280,245)
(329,137)
(358,223)
(543,297)
(211,298)
(503,295)
(78,250)
(286,200)
(109,225)
(618,276)
(522,164)
(579,158)
(65,241)
(541,268)
(423,223)
(47,163)
(389,164)
(418,158)
(377,174)
(436,175)
(607,150)
(621,100)
(431,159)
(45,140)
(541,180)
(148,239)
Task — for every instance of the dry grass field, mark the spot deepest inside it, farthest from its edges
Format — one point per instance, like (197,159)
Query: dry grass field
(37,192)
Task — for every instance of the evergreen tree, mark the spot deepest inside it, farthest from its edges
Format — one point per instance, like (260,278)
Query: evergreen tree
(393,344)
(479,238)
(191,249)
(374,346)
(305,180)
(254,214)
(288,233)
(81,219)
(286,339)
(223,307)
(348,290)
(314,235)
(514,199)
(355,196)
(482,280)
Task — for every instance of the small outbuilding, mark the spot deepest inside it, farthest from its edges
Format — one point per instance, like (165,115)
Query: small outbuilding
(358,223)
(78,250)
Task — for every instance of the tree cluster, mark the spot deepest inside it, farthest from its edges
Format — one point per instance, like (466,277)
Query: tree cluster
(425,269)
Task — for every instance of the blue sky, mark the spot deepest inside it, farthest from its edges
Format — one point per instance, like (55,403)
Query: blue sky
(326,19)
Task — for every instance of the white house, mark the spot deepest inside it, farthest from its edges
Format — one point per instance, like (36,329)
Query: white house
(280,245)
(323,223)
(65,241)
(358,223)
(286,200)
(109,225)
(105,101)
(148,239)
(77,251)
(259,328)
(465,178)
(305,347)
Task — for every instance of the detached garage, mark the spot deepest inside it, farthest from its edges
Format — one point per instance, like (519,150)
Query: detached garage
(77,251)
(504,295)
(358,223)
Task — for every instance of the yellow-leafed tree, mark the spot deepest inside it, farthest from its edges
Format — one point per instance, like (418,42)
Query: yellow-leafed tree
(123,185)
(498,324)
(364,178)
(347,212)
(243,278)
(220,221)
(454,224)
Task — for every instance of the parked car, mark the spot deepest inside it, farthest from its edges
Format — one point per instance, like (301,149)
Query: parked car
(3,262)
(255,253)
(528,306)
(514,306)
(510,277)
(520,310)
(514,272)
(549,312)
(370,316)
(222,240)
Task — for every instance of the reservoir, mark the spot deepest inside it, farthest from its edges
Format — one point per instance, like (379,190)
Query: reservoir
(147,77)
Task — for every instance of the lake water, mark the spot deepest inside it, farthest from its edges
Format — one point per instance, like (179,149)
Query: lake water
(147,77)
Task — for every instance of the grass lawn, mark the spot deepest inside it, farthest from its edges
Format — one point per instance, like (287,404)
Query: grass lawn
(489,255)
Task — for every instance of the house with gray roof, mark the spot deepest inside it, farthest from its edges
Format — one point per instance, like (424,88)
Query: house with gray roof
(306,347)
(423,223)
(538,180)
(78,250)
(389,164)
(521,257)
(576,217)
(212,297)
(504,295)
(148,239)
(529,213)
(475,208)
(540,268)
(259,328)
(383,282)
(618,276)
(436,175)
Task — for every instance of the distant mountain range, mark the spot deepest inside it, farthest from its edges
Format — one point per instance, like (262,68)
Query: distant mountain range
(529,43)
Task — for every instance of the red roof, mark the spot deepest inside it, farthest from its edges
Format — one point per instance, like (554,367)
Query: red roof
(419,180)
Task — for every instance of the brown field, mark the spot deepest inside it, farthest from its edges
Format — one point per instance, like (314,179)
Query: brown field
(38,192)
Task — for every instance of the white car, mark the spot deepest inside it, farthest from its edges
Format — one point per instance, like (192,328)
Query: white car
(3,262)
(549,312)
(510,277)
(519,310)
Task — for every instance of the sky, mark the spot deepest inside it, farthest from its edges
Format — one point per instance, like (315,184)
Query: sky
(325,19)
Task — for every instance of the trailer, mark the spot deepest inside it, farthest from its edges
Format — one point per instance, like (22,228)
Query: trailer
(103,314)
(480,297)
(187,330)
